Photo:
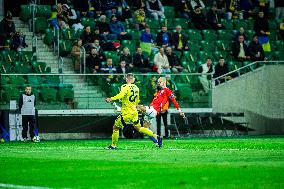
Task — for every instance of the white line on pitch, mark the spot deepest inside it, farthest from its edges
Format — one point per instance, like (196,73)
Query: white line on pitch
(3,185)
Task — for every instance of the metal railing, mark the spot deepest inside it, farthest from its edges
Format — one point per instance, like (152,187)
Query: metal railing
(83,57)
(238,71)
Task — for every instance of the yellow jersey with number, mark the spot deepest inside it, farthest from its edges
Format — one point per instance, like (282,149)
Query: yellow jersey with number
(129,95)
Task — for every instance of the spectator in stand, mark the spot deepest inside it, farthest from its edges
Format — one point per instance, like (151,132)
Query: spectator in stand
(279,7)
(97,35)
(161,62)
(87,37)
(261,28)
(61,23)
(72,19)
(117,28)
(183,8)
(198,19)
(93,61)
(7,28)
(122,68)
(222,8)
(141,62)
(146,35)
(240,32)
(109,69)
(264,7)
(247,7)
(155,9)
(139,18)
(206,68)
(103,25)
(240,50)
(96,7)
(234,10)
(179,39)
(174,61)
(76,52)
(136,4)
(214,19)
(82,7)
(126,14)
(126,56)
(198,3)
(221,69)
(18,41)
(109,7)
(163,38)
(255,50)
(97,46)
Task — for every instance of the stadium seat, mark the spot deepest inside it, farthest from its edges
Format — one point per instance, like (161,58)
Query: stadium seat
(17,80)
(227,24)
(6,67)
(25,13)
(153,24)
(40,24)
(207,46)
(194,35)
(22,67)
(8,56)
(182,22)
(69,34)
(48,94)
(88,22)
(223,45)
(43,11)
(52,80)
(169,11)
(26,56)
(39,67)
(65,94)
(184,92)
(209,35)
(225,35)
(193,46)
(65,47)
(11,92)
(34,80)
(218,54)
(48,37)
(203,55)
(240,23)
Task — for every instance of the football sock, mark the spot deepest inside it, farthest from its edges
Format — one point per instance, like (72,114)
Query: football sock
(149,133)
(114,137)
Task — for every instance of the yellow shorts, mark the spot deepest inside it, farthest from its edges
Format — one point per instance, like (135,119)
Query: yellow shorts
(127,119)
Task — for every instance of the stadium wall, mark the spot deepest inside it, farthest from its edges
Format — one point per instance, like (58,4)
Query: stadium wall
(259,94)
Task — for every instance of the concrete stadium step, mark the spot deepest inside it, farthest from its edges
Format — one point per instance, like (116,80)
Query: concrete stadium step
(90,94)
(93,105)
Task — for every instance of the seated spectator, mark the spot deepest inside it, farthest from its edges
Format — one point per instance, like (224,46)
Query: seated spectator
(206,68)
(122,68)
(82,8)
(179,40)
(255,50)
(222,8)
(234,10)
(155,9)
(161,62)
(76,52)
(97,35)
(109,69)
(198,19)
(221,69)
(195,3)
(126,56)
(94,62)
(126,14)
(139,19)
(240,50)
(146,36)
(109,7)
(96,7)
(7,28)
(163,38)
(117,28)
(247,7)
(18,42)
(141,62)
(261,28)
(97,46)
(61,23)
(87,37)
(103,25)
(174,61)
(214,19)
(73,20)
(240,32)
(183,8)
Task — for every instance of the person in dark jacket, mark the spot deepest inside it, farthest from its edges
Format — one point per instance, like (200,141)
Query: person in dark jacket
(93,61)
(255,50)
(179,39)
(261,26)
(7,28)
(198,19)
(140,62)
(163,38)
(240,49)
(220,69)
(214,19)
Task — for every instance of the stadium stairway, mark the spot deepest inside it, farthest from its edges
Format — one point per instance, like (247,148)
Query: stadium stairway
(86,95)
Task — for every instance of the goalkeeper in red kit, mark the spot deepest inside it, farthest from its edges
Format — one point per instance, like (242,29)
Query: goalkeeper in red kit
(162,97)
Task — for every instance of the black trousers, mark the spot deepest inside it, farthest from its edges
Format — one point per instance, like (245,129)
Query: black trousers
(28,121)
(165,121)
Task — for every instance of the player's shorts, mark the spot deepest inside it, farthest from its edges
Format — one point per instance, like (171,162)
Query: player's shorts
(127,119)
(150,113)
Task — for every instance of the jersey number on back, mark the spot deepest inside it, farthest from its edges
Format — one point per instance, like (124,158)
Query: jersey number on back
(132,97)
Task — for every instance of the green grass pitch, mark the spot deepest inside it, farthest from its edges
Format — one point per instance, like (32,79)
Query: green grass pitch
(252,162)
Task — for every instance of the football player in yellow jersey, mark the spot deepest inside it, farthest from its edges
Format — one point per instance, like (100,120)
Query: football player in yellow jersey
(129,95)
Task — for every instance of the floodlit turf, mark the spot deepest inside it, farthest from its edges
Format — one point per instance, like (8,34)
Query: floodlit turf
(181,163)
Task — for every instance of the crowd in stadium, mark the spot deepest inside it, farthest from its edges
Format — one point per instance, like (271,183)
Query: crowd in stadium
(160,47)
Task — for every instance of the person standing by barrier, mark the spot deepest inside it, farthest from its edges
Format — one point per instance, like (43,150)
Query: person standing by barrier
(27,104)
